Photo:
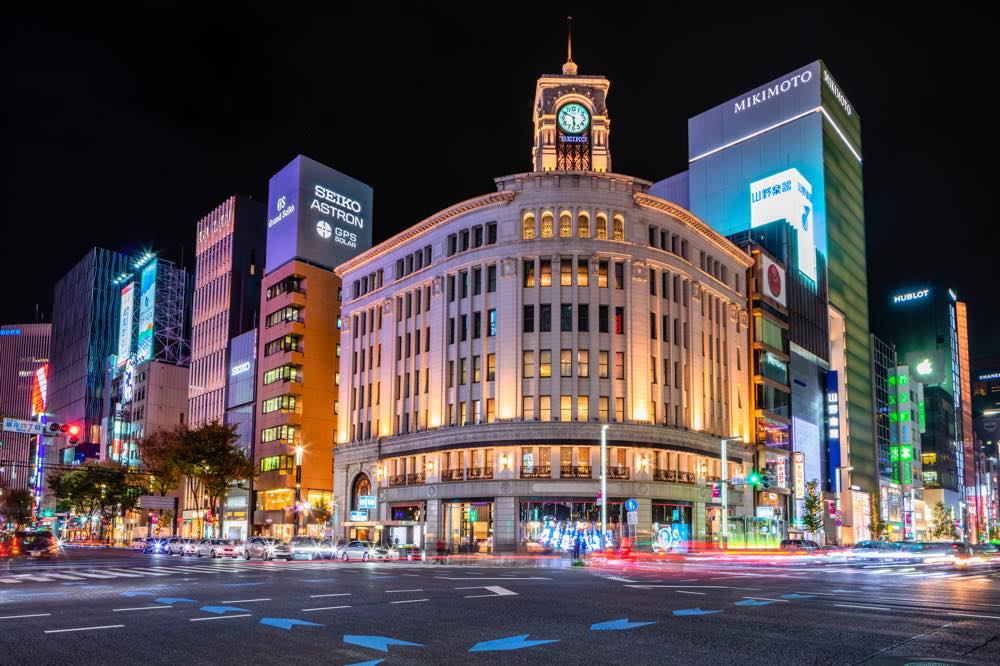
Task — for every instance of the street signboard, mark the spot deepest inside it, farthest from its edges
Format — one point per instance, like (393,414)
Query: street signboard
(633,517)
(631,505)
(22,426)
(366,501)
(765,512)
(359,516)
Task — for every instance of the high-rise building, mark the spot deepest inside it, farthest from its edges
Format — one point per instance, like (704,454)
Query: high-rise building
(986,425)
(317,219)
(924,325)
(85,332)
(488,347)
(788,154)
(229,252)
(24,354)
(241,411)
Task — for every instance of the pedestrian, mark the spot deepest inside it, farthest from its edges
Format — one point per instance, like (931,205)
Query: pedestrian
(576,547)
(440,551)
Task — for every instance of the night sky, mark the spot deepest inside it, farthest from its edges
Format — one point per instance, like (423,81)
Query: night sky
(128,128)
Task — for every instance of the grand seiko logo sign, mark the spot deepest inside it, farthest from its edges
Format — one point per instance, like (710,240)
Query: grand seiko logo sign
(282,212)
(772,91)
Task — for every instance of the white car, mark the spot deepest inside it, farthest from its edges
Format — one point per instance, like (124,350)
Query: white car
(364,551)
(217,548)
(178,546)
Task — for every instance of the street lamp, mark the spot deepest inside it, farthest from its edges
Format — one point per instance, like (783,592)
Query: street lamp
(298,489)
(604,484)
(840,528)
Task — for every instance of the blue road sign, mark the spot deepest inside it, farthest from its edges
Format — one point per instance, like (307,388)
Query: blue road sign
(631,504)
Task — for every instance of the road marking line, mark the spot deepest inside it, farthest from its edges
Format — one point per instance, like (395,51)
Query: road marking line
(988,617)
(32,577)
(243,601)
(494,578)
(18,617)
(828,594)
(122,572)
(408,601)
(138,608)
(221,617)
(63,576)
(106,626)
(394,591)
(784,601)
(91,574)
(322,608)
(338,594)
(148,572)
(881,608)
(688,592)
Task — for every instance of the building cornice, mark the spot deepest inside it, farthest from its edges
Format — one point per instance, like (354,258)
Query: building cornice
(689,219)
(492,200)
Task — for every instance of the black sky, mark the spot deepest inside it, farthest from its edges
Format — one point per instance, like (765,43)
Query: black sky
(127,128)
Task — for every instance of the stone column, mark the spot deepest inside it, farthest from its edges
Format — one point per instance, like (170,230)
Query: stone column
(643,530)
(434,520)
(698,522)
(505,524)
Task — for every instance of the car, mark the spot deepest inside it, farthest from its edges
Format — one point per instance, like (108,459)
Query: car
(364,551)
(139,544)
(35,544)
(874,551)
(181,546)
(952,553)
(266,548)
(799,546)
(156,545)
(217,548)
(327,548)
(987,551)
(305,548)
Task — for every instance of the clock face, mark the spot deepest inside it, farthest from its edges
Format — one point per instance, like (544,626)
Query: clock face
(573,118)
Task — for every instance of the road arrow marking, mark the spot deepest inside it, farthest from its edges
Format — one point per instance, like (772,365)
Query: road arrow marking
(368,663)
(509,643)
(752,602)
(135,593)
(175,600)
(496,590)
(796,595)
(219,610)
(380,643)
(694,611)
(623,623)
(286,623)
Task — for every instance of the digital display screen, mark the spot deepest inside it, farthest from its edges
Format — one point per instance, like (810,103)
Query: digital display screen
(147,306)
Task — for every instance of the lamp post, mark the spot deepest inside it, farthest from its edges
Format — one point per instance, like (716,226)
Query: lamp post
(298,489)
(840,528)
(604,483)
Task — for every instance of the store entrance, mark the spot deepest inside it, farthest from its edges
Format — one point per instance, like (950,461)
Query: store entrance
(469,527)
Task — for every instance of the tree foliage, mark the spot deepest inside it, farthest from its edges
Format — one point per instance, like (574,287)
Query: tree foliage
(812,511)
(877,525)
(942,524)
(16,507)
(103,490)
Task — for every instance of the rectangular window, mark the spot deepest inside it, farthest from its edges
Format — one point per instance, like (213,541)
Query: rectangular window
(451,330)
(545,277)
(665,327)
(528,364)
(477,325)
(565,408)
(463,327)
(583,318)
(566,363)
(602,274)
(619,275)
(529,273)
(491,367)
(652,369)
(463,280)
(286,343)
(476,369)
(602,364)
(464,415)
(545,408)
(477,281)
(582,408)
(619,321)
(528,408)
(566,318)
(463,371)
(545,317)
(566,272)
(582,276)
(652,325)
(282,433)
(491,233)
(491,410)
(284,373)
(528,319)
(281,403)
(652,282)
(619,365)
(582,363)
(545,363)
(285,314)
(290,284)
(491,323)
(451,288)
(602,318)
(491,278)
(619,409)
(602,408)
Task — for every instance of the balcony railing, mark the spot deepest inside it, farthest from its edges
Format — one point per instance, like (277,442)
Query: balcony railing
(480,472)
(618,472)
(453,475)
(415,479)
(397,480)
(575,472)
(673,476)
(536,471)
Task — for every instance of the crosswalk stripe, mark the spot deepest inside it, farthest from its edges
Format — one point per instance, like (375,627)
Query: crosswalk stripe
(151,572)
(93,574)
(62,576)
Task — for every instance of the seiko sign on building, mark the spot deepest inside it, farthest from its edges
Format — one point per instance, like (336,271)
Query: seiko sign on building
(316,214)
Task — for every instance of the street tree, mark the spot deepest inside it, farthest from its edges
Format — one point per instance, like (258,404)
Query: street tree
(16,507)
(942,523)
(812,510)
(104,490)
(159,454)
(212,463)
(877,525)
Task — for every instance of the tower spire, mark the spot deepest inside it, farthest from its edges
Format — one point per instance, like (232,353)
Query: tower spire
(569,68)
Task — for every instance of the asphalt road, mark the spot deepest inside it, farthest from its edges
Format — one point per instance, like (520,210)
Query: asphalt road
(112,607)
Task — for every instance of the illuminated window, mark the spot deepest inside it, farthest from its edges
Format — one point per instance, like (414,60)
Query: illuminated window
(582,267)
(528,227)
(545,274)
(282,403)
(491,367)
(545,408)
(602,226)
(528,407)
(545,363)
(602,274)
(566,363)
(619,365)
(602,364)
(283,433)
(928,458)
(528,364)
(565,408)
(619,228)
(529,272)
(583,225)
(546,225)
(582,408)
(565,225)
(619,409)
(566,272)
(602,405)
(491,410)
(582,363)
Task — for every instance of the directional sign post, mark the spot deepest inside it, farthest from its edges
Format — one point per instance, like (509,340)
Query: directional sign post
(26,427)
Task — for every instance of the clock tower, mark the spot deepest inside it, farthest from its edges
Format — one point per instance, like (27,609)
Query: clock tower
(571,121)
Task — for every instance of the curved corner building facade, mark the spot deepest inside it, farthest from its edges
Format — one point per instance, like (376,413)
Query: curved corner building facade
(484,349)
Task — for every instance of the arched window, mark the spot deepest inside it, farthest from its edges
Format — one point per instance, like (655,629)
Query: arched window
(583,225)
(528,227)
(546,225)
(602,226)
(619,228)
(565,224)
(362,486)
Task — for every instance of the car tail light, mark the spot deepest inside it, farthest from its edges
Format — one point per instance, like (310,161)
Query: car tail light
(15,546)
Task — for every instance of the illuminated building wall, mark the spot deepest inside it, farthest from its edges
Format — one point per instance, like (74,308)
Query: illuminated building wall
(24,350)
(229,251)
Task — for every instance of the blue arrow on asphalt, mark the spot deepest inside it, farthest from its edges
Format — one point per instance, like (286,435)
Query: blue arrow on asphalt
(618,624)
(509,643)
(286,623)
(240,584)
(796,596)
(219,610)
(373,662)
(380,643)
(753,602)
(175,600)
(694,611)
(136,593)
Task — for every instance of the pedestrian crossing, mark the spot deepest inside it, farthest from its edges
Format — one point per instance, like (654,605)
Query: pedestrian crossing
(109,573)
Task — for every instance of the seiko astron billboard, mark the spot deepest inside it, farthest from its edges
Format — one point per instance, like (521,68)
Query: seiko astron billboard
(316,214)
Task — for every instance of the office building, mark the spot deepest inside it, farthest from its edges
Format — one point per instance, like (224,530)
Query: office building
(241,411)
(24,354)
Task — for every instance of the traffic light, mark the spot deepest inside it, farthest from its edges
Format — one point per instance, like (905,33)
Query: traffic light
(70,431)
(765,481)
(753,479)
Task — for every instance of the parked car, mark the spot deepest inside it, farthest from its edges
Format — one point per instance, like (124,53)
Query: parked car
(217,548)
(33,544)
(266,548)
(156,545)
(327,548)
(305,548)
(364,551)
(181,546)
(799,546)
(139,544)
